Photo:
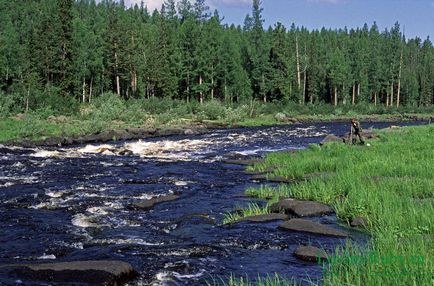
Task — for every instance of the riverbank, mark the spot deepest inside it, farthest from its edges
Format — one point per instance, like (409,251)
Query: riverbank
(37,130)
(385,188)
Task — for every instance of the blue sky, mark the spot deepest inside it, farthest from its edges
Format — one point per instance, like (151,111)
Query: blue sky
(416,16)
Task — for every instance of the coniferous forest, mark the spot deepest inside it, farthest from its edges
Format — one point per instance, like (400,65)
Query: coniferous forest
(66,52)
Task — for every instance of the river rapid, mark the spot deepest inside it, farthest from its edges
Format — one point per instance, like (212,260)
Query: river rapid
(70,204)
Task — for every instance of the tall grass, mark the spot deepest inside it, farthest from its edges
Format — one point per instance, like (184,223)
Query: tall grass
(250,210)
(390,184)
(270,280)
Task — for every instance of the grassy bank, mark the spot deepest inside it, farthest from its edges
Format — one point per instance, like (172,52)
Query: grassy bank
(390,184)
(110,112)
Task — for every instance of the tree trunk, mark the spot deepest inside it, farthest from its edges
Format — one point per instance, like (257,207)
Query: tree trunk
(387,99)
(358,90)
(298,66)
(201,92)
(27,99)
(391,94)
(335,96)
(344,99)
(399,81)
(84,89)
(90,89)
(118,86)
(375,98)
(354,95)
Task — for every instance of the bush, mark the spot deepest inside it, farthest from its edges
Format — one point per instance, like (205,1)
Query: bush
(108,107)
(212,110)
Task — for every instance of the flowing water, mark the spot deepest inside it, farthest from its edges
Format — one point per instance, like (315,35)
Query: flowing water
(68,204)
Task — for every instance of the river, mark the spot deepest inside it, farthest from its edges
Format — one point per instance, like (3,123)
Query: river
(68,204)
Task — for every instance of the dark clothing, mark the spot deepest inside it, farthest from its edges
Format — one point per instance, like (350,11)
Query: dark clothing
(357,131)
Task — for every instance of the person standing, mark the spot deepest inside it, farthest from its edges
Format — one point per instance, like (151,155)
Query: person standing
(356,130)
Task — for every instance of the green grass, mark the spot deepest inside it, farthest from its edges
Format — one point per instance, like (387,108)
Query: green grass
(109,112)
(271,280)
(390,183)
(250,210)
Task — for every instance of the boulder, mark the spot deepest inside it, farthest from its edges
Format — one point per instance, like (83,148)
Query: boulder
(331,138)
(189,132)
(310,254)
(308,226)
(281,117)
(301,208)
(279,179)
(358,222)
(102,272)
(149,204)
(120,134)
(265,217)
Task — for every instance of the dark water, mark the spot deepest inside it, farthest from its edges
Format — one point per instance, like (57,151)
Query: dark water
(66,205)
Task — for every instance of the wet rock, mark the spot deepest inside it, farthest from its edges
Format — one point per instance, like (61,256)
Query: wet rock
(310,254)
(259,177)
(77,272)
(358,222)
(189,132)
(301,208)
(331,138)
(242,161)
(265,217)
(149,204)
(279,179)
(170,132)
(53,141)
(308,226)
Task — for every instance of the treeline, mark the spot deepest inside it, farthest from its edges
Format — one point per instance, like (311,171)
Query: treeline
(58,53)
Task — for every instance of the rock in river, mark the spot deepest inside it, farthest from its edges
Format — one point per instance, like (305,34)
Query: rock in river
(265,218)
(149,204)
(74,273)
(310,253)
(308,226)
(301,208)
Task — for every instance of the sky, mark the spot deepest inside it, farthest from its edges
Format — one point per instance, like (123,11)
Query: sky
(415,16)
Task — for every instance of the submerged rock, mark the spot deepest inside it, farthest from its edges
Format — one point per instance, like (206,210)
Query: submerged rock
(308,226)
(310,254)
(76,273)
(149,204)
(301,208)
(265,217)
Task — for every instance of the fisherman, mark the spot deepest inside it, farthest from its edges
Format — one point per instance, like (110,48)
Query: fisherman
(356,130)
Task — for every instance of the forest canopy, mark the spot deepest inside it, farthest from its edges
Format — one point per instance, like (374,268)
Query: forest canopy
(61,53)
